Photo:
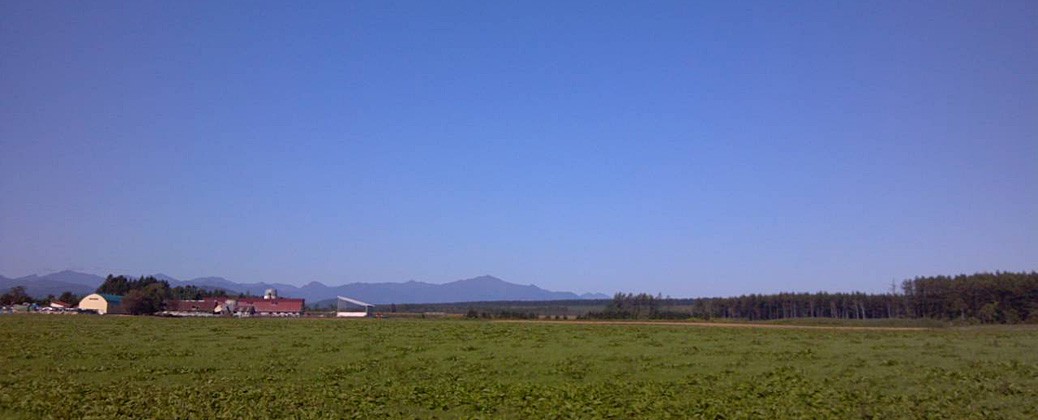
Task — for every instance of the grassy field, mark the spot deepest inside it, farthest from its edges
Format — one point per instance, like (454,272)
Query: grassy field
(110,367)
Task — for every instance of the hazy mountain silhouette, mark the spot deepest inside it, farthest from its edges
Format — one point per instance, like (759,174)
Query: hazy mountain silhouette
(54,283)
(483,288)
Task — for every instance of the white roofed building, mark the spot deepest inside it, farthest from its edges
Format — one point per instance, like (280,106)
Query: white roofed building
(352,308)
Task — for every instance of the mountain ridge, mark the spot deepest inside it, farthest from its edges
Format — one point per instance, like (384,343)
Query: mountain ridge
(480,288)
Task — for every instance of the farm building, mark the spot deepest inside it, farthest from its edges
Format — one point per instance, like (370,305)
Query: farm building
(282,307)
(102,303)
(271,306)
(201,307)
(61,305)
(352,308)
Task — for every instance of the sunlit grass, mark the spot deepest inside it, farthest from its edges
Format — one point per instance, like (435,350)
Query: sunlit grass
(81,366)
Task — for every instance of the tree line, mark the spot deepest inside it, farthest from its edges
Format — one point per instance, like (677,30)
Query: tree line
(501,314)
(1000,297)
(148,295)
(17,296)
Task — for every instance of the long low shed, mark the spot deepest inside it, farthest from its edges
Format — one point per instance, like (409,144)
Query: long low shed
(342,312)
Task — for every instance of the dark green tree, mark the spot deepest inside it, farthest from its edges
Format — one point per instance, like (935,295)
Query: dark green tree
(16,295)
(68,297)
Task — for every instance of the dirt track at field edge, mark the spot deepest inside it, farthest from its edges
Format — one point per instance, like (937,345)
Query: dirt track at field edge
(722,325)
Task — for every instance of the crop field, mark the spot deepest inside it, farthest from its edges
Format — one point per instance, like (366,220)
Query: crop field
(140,367)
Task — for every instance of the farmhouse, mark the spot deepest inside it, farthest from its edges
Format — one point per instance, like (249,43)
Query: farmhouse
(102,303)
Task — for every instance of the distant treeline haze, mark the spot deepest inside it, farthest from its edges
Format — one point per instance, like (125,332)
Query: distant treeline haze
(989,298)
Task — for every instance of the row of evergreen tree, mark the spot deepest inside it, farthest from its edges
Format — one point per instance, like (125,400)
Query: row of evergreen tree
(999,297)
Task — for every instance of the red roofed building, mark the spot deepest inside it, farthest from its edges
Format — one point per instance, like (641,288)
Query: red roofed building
(272,307)
(204,305)
(278,307)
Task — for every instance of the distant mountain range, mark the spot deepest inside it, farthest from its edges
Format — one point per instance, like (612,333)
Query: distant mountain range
(54,283)
(483,288)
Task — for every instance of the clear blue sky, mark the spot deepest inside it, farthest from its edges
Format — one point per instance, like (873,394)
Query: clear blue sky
(687,148)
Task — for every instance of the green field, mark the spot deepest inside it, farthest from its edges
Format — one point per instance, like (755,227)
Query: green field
(110,367)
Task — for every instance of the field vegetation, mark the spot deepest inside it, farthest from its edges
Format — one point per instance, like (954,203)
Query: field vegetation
(147,367)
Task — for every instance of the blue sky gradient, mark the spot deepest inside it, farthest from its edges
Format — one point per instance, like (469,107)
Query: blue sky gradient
(687,148)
